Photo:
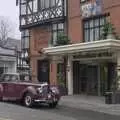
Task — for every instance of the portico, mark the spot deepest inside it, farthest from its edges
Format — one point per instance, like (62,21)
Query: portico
(91,66)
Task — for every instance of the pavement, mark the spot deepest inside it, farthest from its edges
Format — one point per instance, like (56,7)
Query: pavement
(93,103)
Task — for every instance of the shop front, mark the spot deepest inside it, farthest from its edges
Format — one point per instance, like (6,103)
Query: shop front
(91,67)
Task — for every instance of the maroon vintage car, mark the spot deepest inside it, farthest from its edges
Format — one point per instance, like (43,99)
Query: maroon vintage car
(12,87)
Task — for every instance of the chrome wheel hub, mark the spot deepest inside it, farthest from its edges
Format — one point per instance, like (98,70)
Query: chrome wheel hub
(28,100)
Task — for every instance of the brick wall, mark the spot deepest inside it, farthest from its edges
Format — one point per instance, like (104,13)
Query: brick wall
(38,40)
(41,35)
(75,19)
(113,7)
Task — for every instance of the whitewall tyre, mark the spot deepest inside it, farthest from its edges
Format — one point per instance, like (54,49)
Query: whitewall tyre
(28,100)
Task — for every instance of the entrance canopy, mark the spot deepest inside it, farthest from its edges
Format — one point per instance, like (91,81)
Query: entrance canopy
(101,45)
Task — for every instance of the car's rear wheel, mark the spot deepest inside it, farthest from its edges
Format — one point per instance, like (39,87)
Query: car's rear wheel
(53,105)
(28,100)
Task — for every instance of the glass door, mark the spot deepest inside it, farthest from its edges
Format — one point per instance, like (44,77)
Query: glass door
(92,79)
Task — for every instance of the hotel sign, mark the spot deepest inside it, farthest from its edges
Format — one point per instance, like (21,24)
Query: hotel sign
(91,9)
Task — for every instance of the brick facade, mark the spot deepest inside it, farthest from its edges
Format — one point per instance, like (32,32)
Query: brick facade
(75,26)
(41,35)
(74,22)
(39,38)
(113,7)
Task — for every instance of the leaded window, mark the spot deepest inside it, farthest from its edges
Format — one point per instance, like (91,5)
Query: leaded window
(25,39)
(56,29)
(93,28)
(42,4)
(25,47)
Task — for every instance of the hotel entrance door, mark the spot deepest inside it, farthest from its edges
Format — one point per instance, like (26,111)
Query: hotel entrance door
(93,79)
(85,78)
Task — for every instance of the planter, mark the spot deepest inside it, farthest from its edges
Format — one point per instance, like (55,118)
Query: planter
(110,36)
(108,97)
(63,90)
(116,97)
(112,97)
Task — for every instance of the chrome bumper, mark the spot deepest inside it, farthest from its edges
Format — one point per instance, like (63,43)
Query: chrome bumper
(46,101)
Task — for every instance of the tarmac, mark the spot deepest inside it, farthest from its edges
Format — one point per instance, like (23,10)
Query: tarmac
(93,103)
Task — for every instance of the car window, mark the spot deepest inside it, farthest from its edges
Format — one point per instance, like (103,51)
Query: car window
(6,78)
(2,78)
(24,78)
(9,78)
(14,78)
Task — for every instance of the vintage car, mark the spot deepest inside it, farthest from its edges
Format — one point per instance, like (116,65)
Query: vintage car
(13,88)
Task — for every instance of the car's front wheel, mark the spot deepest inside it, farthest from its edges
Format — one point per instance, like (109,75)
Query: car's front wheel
(28,100)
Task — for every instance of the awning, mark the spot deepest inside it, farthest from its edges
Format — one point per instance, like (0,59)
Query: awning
(108,44)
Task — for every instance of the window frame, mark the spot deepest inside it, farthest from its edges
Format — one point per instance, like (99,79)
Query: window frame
(56,30)
(89,28)
(25,37)
(46,5)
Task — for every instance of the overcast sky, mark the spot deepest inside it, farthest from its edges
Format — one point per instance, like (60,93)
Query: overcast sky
(8,8)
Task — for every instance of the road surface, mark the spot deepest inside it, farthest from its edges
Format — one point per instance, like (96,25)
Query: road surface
(11,111)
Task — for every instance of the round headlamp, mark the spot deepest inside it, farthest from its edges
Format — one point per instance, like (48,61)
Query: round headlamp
(40,90)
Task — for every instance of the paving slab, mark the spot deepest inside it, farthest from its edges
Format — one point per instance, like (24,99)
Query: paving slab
(93,103)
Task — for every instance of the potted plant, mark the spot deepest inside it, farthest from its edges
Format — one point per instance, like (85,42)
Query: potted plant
(60,78)
(115,90)
(62,39)
(61,83)
(108,31)
(114,85)
(111,95)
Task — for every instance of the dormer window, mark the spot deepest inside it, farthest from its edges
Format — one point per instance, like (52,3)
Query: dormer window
(23,7)
(53,3)
(42,4)
(23,1)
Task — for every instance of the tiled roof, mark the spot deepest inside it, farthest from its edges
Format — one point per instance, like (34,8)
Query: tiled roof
(13,43)
(7,52)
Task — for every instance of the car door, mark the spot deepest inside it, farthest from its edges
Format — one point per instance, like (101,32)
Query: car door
(5,83)
(19,87)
